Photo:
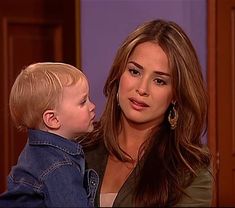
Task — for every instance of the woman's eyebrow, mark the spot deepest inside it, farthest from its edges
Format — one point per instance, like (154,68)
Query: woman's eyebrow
(156,72)
(162,73)
(136,64)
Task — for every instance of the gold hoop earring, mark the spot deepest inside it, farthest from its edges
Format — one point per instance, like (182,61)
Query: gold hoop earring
(173,117)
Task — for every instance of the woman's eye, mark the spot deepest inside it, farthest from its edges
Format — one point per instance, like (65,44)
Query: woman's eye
(134,72)
(159,82)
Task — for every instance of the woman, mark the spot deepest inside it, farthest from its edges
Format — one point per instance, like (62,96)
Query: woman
(147,146)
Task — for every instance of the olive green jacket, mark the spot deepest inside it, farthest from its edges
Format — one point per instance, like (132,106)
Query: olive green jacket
(200,191)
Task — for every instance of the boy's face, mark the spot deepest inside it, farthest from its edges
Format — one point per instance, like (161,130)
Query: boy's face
(75,112)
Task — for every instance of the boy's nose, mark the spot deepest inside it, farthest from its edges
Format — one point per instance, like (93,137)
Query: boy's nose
(92,106)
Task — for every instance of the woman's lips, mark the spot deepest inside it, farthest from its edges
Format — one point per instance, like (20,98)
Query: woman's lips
(137,104)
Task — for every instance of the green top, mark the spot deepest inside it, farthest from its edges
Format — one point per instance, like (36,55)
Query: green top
(200,190)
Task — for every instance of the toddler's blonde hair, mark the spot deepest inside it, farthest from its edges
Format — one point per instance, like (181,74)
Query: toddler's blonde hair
(39,88)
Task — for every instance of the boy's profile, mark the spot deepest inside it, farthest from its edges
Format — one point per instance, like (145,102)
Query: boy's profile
(51,100)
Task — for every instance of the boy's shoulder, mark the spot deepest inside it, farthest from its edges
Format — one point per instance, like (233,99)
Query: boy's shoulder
(43,154)
(38,138)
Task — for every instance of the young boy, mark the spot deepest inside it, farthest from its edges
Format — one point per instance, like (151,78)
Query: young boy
(51,100)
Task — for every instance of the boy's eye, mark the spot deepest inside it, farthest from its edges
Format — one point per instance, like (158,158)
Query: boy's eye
(134,72)
(159,81)
(83,102)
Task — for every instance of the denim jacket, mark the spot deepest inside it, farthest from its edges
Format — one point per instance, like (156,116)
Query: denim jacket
(50,173)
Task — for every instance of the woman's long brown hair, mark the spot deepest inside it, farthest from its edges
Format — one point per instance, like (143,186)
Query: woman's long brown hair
(172,158)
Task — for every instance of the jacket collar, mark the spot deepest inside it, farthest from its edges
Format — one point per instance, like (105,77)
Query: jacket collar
(38,137)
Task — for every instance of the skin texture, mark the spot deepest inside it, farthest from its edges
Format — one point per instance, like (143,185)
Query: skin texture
(145,90)
(75,113)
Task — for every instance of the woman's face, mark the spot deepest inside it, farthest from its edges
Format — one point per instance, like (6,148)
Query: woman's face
(145,88)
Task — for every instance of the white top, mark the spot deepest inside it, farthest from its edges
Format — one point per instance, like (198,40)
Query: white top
(107,199)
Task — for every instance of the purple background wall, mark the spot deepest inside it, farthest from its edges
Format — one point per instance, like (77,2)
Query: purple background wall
(106,23)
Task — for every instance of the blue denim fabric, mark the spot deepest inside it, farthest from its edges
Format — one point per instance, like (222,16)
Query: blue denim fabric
(50,173)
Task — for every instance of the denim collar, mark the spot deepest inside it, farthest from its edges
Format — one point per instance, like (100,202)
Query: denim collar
(38,137)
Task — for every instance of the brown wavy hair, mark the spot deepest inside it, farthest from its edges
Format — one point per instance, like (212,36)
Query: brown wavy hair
(176,155)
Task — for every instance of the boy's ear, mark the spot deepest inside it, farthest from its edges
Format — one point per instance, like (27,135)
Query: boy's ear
(50,119)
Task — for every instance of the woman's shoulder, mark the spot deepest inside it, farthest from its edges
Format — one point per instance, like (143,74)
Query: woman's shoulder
(199,192)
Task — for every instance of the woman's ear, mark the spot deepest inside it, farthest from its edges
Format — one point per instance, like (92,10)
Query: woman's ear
(50,119)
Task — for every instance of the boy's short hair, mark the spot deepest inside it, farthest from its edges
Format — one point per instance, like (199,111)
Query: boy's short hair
(39,88)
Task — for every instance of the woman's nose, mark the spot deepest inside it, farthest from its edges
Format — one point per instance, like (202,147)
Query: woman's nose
(142,92)
(142,89)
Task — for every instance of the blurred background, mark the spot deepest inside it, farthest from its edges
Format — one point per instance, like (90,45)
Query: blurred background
(87,33)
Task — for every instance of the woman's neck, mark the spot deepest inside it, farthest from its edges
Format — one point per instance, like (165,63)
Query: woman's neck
(132,136)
